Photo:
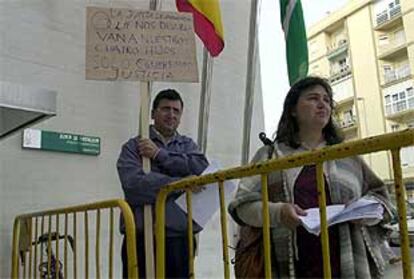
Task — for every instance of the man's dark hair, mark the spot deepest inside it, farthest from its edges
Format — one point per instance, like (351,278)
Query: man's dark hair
(167,94)
(288,129)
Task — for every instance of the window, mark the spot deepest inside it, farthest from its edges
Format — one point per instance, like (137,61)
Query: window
(347,118)
(410,92)
(398,102)
(392,4)
(399,36)
(410,97)
(313,49)
(389,73)
(382,17)
(343,65)
(411,103)
(388,109)
(395,127)
(400,106)
(407,156)
(395,97)
(394,8)
(407,153)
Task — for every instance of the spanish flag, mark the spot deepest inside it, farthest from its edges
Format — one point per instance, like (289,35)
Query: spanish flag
(207,22)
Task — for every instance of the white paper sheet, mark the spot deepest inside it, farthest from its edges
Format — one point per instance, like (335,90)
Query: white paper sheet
(359,209)
(207,202)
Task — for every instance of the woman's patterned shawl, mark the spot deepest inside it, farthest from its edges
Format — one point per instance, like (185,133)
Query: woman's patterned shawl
(348,179)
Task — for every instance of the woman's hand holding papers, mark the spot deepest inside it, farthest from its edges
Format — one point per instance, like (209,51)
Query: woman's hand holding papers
(289,215)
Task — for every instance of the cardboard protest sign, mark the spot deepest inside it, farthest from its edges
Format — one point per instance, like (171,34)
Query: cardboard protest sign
(138,45)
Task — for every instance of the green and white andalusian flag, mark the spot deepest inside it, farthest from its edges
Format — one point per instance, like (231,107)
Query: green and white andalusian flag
(291,15)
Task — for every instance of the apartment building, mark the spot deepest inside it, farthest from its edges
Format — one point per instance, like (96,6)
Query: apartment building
(366,50)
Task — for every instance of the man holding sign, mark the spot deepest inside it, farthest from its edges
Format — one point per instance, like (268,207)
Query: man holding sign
(173,157)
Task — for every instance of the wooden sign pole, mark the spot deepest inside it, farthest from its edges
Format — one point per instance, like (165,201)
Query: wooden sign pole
(146,164)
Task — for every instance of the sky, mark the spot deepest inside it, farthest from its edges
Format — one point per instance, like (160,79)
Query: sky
(275,82)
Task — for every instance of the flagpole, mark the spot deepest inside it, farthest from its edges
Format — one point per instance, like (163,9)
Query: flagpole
(250,78)
(205,97)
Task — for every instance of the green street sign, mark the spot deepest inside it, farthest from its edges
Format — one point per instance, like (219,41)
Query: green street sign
(61,142)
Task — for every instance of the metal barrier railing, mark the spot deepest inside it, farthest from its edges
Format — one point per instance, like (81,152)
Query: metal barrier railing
(389,142)
(37,230)
(27,227)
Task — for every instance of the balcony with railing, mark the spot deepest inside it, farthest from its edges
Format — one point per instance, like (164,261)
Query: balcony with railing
(393,48)
(388,17)
(349,127)
(337,48)
(340,72)
(397,74)
(347,123)
(343,93)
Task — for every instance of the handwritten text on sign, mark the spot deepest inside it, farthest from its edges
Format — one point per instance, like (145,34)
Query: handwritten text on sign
(125,44)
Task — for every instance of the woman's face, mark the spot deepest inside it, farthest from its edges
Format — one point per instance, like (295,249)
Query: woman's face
(313,109)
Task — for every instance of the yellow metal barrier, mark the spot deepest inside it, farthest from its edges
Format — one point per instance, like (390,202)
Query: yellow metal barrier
(24,235)
(25,240)
(393,142)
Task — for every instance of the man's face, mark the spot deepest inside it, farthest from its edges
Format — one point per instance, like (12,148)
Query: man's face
(167,116)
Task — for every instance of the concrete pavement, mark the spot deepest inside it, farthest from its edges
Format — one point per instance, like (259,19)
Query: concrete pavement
(395,271)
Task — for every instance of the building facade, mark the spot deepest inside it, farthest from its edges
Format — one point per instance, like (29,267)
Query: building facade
(366,50)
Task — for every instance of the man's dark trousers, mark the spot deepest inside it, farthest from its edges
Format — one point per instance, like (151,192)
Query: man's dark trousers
(176,257)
